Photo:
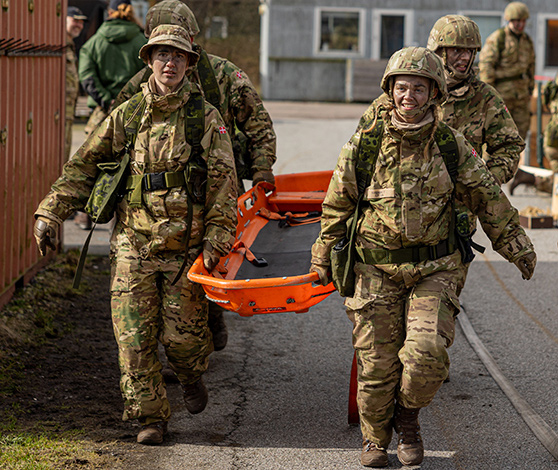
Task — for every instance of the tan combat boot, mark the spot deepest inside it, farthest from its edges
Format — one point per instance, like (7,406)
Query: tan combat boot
(373,455)
(521,177)
(410,449)
(195,397)
(152,434)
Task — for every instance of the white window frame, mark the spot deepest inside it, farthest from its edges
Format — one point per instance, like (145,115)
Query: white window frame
(540,43)
(408,33)
(337,53)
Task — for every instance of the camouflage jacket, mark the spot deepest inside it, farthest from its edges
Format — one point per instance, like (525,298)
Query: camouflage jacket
(159,224)
(512,70)
(408,201)
(479,113)
(550,100)
(240,107)
(72,80)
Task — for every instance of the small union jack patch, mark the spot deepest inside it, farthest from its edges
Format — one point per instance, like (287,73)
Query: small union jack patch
(222,130)
(238,74)
(475,154)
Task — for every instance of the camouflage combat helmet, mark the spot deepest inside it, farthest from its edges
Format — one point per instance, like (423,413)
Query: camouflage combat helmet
(415,61)
(516,11)
(169,35)
(454,31)
(171,12)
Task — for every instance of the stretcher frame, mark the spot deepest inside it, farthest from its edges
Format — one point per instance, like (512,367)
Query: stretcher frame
(295,193)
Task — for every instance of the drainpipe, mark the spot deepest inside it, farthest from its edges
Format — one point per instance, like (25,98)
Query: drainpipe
(264,47)
(349,80)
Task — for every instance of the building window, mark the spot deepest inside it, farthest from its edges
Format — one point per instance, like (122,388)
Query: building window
(217,28)
(487,21)
(340,31)
(391,31)
(551,56)
(391,38)
(546,45)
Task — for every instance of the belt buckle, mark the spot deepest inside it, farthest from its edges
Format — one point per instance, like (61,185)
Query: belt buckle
(432,252)
(154,181)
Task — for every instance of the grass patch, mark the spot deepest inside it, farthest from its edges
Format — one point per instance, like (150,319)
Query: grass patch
(21,451)
(36,327)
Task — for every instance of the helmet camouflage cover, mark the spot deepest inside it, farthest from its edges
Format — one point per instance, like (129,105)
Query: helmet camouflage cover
(169,35)
(415,61)
(516,11)
(171,12)
(454,31)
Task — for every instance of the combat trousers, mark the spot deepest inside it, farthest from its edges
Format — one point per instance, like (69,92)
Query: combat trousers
(545,183)
(147,309)
(520,110)
(404,321)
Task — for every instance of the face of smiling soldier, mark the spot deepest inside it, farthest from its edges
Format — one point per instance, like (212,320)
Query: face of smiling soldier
(410,95)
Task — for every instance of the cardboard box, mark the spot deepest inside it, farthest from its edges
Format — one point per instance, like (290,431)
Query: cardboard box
(554,205)
(539,221)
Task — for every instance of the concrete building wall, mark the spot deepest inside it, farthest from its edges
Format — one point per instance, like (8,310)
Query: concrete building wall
(294,67)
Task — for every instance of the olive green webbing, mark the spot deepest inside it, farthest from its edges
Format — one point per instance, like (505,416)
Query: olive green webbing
(209,81)
(193,129)
(132,116)
(369,148)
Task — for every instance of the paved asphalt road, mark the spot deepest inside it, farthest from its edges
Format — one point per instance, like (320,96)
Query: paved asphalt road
(279,391)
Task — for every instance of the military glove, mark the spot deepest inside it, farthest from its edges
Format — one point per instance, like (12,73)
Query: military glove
(211,256)
(526,264)
(324,273)
(46,234)
(263,175)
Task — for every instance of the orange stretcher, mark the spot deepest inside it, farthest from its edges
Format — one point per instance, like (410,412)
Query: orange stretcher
(267,268)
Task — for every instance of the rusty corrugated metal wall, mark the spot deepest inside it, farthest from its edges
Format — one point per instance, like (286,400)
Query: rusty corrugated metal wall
(32,35)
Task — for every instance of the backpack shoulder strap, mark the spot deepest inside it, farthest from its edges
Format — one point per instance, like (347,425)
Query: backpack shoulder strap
(133,112)
(194,124)
(501,42)
(445,139)
(367,154)
(209,81)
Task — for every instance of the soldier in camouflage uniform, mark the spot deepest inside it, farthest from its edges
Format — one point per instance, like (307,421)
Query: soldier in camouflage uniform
(74,25)
(549,99)
(149,239)
(241,108)
(472,107)
(405,300)
(507,62)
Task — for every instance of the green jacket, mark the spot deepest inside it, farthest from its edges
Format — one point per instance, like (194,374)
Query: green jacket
(109,59)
